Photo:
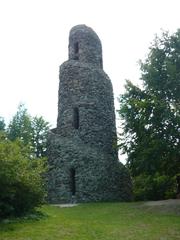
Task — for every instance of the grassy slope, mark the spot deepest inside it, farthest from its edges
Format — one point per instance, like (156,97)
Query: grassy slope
(96,221)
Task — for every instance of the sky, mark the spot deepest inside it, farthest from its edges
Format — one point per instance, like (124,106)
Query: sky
(34,43)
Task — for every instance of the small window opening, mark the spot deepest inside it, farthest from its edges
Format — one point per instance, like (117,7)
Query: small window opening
(76,118)
(72,181)
(76,51)
(76,48)
(101,63)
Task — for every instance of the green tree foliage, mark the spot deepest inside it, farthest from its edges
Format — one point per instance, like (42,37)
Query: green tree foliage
(2,124)
(40,130)
(32,131)
(21,126)
(21,181)
(154,187)
(151,114)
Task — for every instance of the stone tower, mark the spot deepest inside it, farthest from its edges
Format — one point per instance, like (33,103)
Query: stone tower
(83,160)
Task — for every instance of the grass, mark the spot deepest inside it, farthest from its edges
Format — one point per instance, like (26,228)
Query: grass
(107,221)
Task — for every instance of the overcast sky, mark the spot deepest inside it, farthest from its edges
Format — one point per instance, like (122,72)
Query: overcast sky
(34,42)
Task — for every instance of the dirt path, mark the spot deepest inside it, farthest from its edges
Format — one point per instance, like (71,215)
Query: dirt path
(170,206)
(169,202)
(65,205)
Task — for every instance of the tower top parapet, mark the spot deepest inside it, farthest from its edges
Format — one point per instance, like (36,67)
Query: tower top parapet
(85,46)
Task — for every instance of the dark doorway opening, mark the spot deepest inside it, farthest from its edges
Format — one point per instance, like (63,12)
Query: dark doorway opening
(72,181)
(76,118)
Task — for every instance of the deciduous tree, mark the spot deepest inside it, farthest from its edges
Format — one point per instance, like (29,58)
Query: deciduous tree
(151,114)
(32,131)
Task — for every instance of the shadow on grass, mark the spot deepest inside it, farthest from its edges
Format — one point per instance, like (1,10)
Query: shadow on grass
(11,223)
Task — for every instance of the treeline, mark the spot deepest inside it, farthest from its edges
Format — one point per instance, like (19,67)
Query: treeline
(151,122)
(22,163)
(32,131)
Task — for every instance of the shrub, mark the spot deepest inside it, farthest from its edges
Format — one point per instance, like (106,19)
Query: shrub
(154,187)
(21,181)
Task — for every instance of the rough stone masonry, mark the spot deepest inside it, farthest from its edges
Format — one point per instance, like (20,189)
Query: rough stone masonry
(83,159)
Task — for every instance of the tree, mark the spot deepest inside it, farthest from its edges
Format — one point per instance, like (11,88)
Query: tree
(39,137)
(151,114)
(2,124)
(32,131)
(21,181)
(21,126)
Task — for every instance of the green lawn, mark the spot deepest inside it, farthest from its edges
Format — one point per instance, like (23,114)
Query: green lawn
(96,221)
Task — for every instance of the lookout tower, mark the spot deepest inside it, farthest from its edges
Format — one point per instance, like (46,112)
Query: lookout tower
(83,160)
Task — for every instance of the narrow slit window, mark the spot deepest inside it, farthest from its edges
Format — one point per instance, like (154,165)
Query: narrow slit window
(76,118)
(76,48)
(76,51)
(72,181)
(101,63)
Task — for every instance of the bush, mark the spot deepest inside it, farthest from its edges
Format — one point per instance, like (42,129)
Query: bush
(21,181)
(156,187)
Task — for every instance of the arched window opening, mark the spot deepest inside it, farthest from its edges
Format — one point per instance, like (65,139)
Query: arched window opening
(76,118)
(72,181)
(76,51)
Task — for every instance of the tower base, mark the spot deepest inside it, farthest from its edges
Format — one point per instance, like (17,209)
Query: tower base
(80,172)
